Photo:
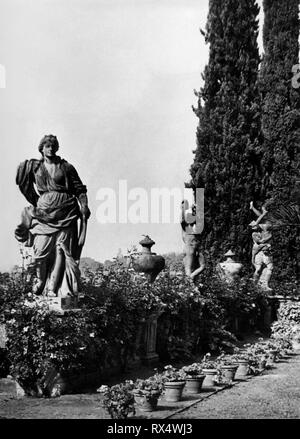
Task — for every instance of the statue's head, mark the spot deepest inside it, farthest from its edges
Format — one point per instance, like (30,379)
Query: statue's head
(49,140)
(266,225)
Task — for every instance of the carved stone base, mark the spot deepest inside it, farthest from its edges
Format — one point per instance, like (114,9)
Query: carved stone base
(59,304)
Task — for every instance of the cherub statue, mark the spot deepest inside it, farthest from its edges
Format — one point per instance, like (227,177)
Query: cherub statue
(194,262)
(261,250)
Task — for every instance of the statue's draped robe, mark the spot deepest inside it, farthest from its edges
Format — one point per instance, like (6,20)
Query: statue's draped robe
(51,220)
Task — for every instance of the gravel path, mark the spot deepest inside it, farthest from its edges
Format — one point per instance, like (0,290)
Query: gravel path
(273,395)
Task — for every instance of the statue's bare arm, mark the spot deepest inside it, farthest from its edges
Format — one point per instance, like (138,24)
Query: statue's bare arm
(201,266)
(260,215)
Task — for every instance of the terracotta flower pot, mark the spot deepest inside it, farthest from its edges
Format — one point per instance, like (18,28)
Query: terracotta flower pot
(262,365)
(296,344)
(209,377)
(229,371)
(194,383)
(173,390)
(272,356)
(146,403)
(243,368)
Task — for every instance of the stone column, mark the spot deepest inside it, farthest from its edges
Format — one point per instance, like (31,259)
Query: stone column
(3,337)
(149,354)
(268,315)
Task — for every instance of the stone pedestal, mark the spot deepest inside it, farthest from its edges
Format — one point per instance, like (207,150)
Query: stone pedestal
(58,304)
(135,359)
(149,354)
(61,303)
(3,337)
(269,315)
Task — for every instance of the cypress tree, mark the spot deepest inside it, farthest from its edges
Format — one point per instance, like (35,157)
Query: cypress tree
(228,154)
(281,128)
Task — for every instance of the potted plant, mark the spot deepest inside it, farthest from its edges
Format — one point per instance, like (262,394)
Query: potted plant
(242,360)
(272,351)
(118,400)
(210,370)
(257,356)
(174,381)
(295,337)
(194,377)
(146,393)
(228,366)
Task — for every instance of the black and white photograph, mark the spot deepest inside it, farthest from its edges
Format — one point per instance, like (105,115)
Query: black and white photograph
(150,213)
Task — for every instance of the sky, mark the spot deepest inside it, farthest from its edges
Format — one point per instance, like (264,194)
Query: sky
(114,81)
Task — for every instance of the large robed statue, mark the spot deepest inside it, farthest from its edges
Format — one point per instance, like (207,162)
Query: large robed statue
(57,200)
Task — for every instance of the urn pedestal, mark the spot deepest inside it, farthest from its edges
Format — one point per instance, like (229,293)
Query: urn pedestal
(3,336)
(151,265)
(149,355)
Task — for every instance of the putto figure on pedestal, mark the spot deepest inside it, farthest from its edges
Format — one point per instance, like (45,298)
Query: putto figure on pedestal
(194,262)
(261,250)
(57,200)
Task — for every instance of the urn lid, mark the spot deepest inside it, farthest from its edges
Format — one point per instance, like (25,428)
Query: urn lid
(147,241)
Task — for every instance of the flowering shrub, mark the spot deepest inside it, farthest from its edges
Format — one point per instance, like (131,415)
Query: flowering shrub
(227,360)
(150,386)
(171,374)
(200,318)
(290,311)
(39,340)
(105,328)
(194,369)
(119,400)
(116,301)
(287,327)
(207,363)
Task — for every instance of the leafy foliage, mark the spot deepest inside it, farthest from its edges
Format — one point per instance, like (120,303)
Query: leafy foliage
(227,158)
(119,400)
(108,329)
(281,130)
(288,324)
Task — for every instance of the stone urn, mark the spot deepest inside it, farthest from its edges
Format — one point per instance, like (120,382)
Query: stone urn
(229,269)
(148,262)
